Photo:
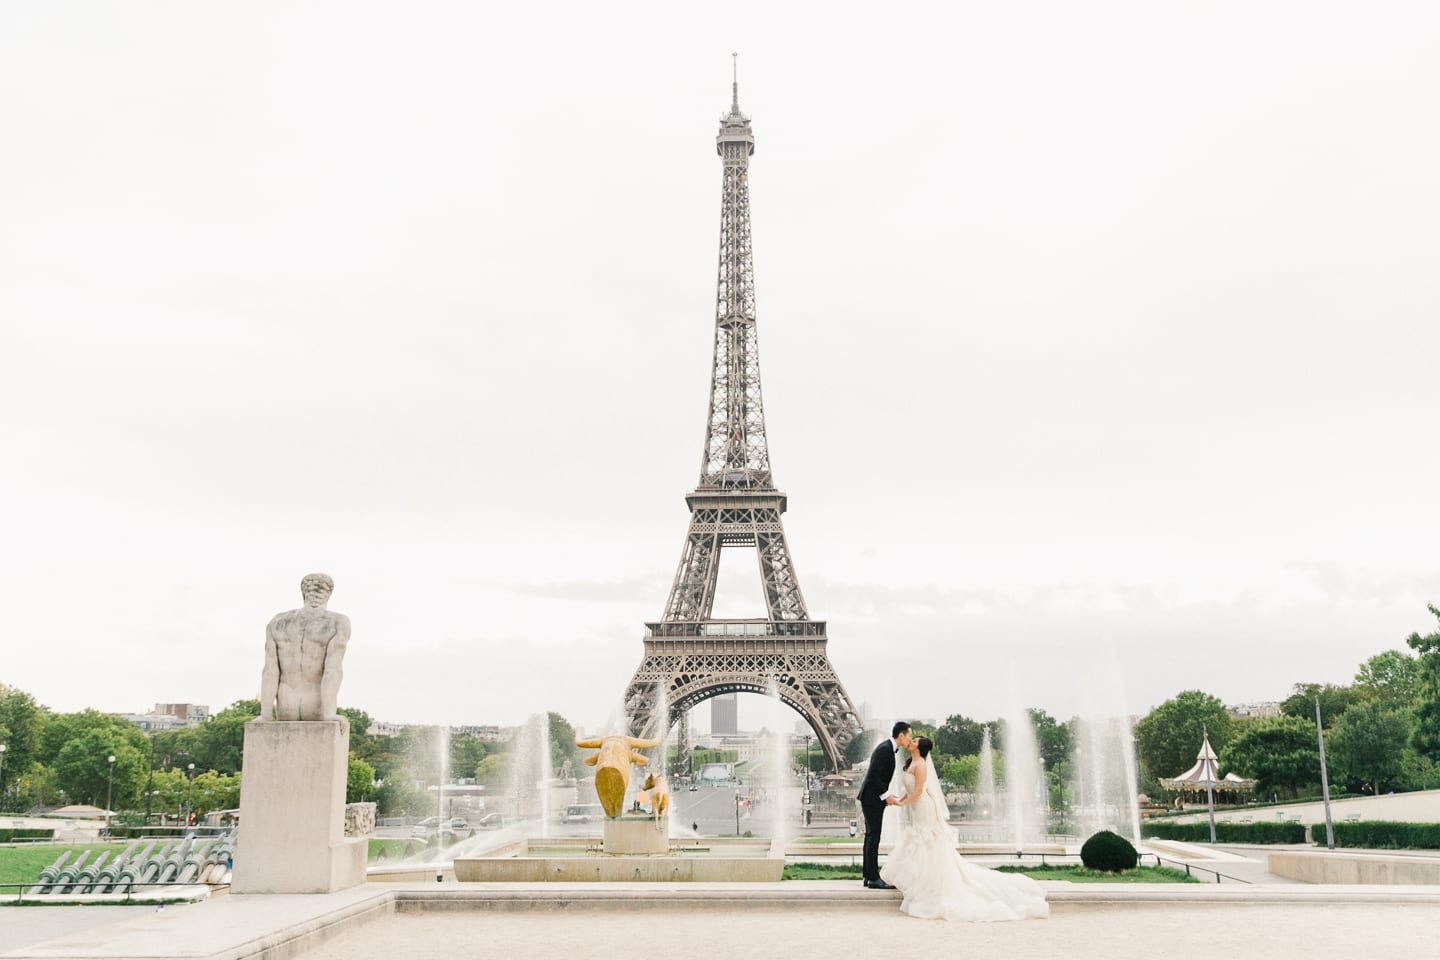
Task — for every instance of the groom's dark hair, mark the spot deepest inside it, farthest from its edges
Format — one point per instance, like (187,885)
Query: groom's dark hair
(900,727)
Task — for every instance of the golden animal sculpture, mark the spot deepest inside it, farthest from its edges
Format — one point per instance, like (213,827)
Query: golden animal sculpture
(655,795)
(612,767)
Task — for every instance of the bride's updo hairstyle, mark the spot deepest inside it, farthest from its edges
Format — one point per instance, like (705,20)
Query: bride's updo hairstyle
(922,744)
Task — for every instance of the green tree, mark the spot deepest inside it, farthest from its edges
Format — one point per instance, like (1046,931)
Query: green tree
(562,743)
(22,721)
(1367,744)
(1391,677)
(211,791)
(961,773)
(1335,699)
(222,737)
(359,781)
(1051,737)
(362,742)
(401,797)
(83,770)
(170,789)
(959,736)
(1280,753)
(816,759)
(466,752)
(175,748)
(490,769)
(857,751)
(1426,738)
(1168,738)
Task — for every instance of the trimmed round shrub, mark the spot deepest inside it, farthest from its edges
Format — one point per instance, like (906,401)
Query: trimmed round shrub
(1108,851)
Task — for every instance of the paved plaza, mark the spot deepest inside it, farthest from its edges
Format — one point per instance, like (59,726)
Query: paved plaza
(785,920)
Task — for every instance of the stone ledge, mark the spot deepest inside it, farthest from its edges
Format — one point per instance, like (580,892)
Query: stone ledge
(1334,867)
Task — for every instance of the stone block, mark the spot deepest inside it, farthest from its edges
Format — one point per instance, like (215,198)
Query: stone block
(291,837)
(632,836)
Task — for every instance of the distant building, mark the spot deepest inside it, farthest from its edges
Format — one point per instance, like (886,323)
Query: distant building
(749,747)
(1267,708)
(193,714)
(383,728)
(490,733)
(168,716)
(725,714)
(153,722)
(482,731)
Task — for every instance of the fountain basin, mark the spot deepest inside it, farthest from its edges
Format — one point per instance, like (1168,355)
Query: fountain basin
(583,860)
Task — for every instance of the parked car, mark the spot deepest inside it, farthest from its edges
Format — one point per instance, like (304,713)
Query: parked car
(491,821)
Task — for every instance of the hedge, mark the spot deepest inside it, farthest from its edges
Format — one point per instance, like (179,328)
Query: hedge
(7,835)
(1261,832)
(1382,835)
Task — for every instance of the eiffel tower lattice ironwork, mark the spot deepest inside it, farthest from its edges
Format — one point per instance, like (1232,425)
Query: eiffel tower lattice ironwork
(691,656)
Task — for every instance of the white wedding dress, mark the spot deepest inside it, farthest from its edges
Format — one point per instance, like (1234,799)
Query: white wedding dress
(936,881)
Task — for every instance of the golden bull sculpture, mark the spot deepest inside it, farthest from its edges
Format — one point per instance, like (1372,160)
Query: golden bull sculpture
(612,762)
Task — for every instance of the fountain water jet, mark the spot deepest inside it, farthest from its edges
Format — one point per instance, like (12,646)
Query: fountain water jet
(985,785)
(1106,780)
(1025,802)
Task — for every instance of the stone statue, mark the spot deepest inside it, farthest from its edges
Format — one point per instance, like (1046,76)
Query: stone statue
(303,653)
(612,767)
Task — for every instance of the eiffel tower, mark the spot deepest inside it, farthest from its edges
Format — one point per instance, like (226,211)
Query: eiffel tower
(691,656)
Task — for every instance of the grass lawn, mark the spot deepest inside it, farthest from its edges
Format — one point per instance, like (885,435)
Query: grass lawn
(23,862)
(1075,874)
(821,871)
(385,849)
(1078,874)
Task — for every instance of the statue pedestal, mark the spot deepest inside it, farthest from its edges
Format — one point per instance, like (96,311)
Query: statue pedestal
(637,835)
(292,810)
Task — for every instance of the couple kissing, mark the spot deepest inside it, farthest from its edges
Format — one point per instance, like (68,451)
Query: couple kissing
(934,880)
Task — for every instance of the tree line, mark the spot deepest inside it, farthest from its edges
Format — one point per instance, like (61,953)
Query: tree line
(52,759)
(1382,733)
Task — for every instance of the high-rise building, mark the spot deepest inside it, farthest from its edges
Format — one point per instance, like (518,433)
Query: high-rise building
(725,714)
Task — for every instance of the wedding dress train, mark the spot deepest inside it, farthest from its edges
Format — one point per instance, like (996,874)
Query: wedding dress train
(936,881)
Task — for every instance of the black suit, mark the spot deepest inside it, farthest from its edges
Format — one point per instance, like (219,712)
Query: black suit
(876,782)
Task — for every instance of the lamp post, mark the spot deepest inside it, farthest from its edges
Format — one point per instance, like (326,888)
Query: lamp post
(1325,779)
(190,794)
(150,783)
(109,790)
(2,776)
(1210,773)
(737,813)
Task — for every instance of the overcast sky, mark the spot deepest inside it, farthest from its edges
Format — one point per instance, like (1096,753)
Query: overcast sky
(1090,333)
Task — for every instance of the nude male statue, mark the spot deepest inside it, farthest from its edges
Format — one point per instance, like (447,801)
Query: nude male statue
(303,652)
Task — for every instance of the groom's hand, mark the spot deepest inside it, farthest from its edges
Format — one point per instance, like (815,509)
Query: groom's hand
(892,801)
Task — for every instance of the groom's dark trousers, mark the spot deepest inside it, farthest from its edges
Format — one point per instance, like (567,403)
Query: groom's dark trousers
(876,782)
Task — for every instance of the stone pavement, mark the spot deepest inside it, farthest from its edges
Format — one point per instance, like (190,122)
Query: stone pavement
(782,920)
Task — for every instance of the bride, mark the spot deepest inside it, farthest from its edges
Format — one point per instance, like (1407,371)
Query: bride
(936,882)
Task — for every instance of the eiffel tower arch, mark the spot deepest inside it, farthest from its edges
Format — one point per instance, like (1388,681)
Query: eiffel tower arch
(691,656)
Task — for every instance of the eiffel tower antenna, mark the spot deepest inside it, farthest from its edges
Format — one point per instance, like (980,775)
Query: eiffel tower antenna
(691,656)
(735,83)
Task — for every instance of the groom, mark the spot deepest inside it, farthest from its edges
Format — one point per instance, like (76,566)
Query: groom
(875,795)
